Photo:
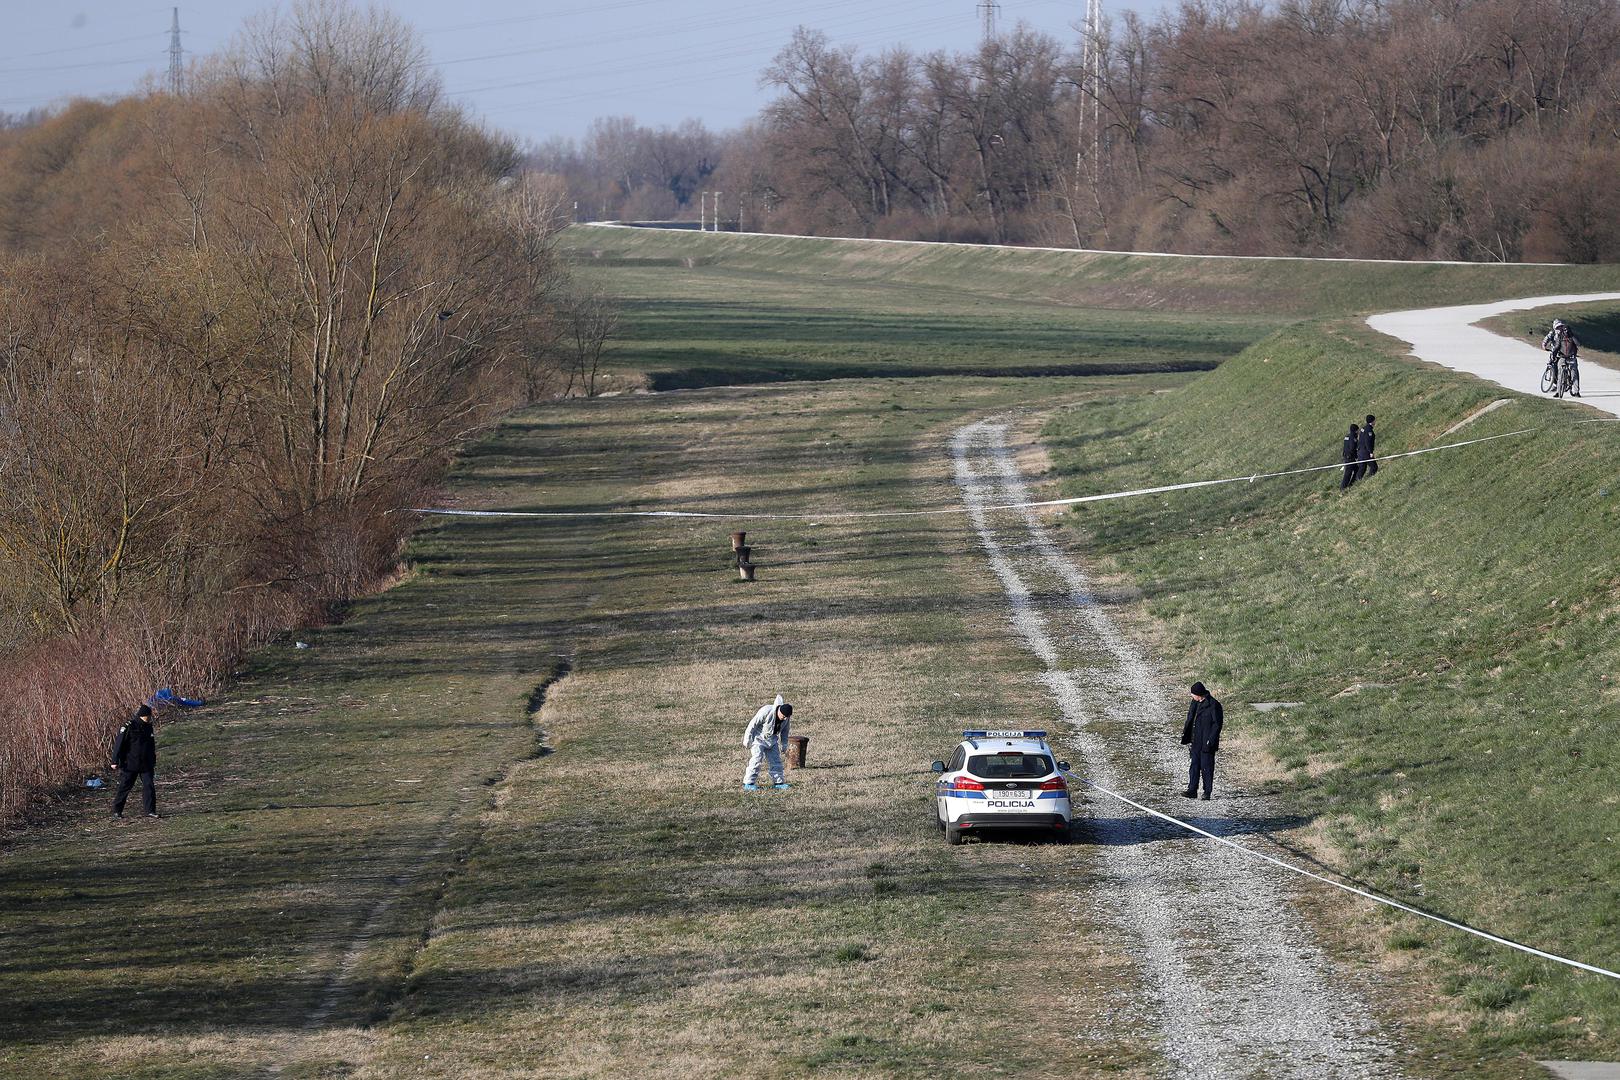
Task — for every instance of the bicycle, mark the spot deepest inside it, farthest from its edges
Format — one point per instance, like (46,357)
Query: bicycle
(1560,377)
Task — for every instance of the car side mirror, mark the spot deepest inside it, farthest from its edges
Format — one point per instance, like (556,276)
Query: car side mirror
(938,766)
(1063,766)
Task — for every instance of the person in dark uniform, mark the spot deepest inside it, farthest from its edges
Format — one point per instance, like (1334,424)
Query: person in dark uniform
(1347,455)
(1366,464)
(1201,735)
(135,755)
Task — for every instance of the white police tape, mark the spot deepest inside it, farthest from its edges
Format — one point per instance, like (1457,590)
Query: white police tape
(848,515)
(1408,908)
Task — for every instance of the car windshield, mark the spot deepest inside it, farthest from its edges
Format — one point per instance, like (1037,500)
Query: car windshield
(1011,766)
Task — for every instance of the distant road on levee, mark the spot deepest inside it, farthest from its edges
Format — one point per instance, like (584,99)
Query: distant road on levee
(1450,337)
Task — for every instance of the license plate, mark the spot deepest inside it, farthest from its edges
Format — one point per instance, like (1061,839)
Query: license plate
(1019,799)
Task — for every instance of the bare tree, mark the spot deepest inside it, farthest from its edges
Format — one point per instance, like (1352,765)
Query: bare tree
(590,321)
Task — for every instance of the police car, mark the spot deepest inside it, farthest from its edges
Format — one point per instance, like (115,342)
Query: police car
(1002,780)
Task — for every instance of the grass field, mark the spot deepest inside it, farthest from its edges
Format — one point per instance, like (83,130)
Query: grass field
(488,825)
(717,324)
(595,894)
(1449,625)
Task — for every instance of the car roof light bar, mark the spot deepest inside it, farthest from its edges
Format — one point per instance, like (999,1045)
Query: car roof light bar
(1003,734)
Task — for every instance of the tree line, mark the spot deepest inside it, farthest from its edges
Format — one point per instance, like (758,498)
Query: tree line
(1463,129)
(238,328)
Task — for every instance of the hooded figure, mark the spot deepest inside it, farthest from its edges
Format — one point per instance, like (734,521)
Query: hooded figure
(1201,735)
(135,756)
(765,739)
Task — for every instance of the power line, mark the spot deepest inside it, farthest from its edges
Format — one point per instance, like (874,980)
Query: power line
(663,33)
(700,56)
(80,48)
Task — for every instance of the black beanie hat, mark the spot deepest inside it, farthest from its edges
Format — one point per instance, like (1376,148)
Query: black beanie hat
(144,710)
(1198,688)
(785,709)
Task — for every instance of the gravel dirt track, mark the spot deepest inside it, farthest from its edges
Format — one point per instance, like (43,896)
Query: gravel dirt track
(1231,977)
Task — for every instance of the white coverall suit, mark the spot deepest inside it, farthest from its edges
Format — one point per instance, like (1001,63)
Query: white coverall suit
(765,740)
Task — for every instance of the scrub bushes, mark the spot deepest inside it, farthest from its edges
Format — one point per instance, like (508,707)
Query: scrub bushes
(306,281)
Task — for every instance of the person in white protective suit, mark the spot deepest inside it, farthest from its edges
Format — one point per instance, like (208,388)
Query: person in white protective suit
(765,740)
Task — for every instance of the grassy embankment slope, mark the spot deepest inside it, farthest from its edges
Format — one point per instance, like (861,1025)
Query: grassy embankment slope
(1450,626)
(375,830)
(714,308)
(752,316)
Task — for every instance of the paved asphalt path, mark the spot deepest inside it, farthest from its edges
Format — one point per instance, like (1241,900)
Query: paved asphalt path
(1447,336)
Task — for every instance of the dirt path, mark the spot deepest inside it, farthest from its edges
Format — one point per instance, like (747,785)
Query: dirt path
(1231,976)
(1449,337)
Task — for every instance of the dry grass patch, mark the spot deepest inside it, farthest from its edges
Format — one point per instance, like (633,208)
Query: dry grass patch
(628,899)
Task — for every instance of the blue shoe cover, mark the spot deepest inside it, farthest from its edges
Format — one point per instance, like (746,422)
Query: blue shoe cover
(750,787)
(782,785)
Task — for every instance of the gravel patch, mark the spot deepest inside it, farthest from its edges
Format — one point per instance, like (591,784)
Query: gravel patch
(1230,975)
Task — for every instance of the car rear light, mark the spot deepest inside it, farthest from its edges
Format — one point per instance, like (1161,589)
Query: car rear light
(963,783)
(1057,783)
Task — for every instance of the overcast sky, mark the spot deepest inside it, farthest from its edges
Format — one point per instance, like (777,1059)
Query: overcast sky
(535,68)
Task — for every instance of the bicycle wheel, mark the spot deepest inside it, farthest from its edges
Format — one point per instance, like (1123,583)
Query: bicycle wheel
(1547,379)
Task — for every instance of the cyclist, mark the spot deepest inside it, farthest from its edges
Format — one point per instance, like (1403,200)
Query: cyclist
(1562,344)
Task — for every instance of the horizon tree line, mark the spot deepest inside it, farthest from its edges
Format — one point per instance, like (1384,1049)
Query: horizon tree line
(1481,130)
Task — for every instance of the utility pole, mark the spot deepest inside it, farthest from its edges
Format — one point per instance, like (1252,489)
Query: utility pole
(1093,73)
(703,211)
(717,211)
(174,54)
(988,10)
(1090,126)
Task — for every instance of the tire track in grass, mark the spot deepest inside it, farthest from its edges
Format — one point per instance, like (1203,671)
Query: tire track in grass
(382,919)
(1232,978)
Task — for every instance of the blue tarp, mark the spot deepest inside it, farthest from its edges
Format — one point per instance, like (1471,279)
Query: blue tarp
(166,696)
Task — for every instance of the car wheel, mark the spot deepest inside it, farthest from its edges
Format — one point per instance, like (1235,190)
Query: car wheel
(939,821)
(953,837)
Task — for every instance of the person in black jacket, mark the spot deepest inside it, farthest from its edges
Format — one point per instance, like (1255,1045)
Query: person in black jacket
(1201,735)
(135,755)
(1366,464)
(1347,455)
